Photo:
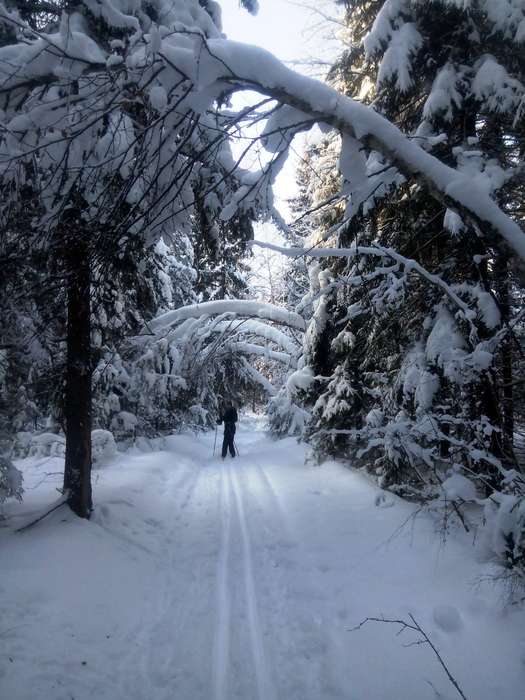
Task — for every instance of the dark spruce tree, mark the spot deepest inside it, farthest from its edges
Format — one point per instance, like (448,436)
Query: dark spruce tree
(414,357)
(97,193)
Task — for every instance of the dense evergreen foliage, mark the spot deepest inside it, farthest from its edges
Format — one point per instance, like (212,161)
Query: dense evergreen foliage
(127,212)
(414,354)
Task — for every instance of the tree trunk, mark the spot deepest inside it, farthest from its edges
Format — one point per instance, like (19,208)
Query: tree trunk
(502,282)
(77,470)
(508,397)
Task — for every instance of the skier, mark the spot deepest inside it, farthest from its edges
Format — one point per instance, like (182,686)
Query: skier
(229,416)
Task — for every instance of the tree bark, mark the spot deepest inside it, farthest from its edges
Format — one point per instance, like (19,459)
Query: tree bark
(77,470)
(502,286)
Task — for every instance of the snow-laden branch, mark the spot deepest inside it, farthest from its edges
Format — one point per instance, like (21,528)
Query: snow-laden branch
(382,252)
(254,349)
(264,331)
(257,377)
(255,68)
(241,307)
(207,64)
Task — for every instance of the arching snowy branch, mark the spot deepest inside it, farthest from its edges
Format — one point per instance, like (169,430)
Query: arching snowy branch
(240,307)
(257,377)
(254,349)
(382,252)
(250,327)
(254,68)
(194,53)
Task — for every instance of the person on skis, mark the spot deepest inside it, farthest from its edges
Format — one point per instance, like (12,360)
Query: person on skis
(229,418)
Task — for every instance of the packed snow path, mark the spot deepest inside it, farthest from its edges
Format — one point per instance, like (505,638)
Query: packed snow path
(199,579)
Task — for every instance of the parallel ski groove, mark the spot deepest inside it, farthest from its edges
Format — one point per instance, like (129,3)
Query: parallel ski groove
(222,631)
(265,689)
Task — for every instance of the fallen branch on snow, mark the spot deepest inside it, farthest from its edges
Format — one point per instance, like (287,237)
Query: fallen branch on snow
(425,639)
(54,506)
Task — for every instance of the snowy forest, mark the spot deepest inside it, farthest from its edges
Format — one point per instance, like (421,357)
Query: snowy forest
(368,539)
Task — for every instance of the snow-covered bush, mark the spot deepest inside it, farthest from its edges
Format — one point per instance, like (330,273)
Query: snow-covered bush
(285,417)
(503,539)
(457,488)
(21,443)
(10,480)
(103,447)
(124,424)
(47,445)
(54,444)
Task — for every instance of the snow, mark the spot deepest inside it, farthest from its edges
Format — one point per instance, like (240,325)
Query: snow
(103,446)
(504,536)
(281,127)
(405,43)
(383,252)
(261,330)
(258,377)
(241,307)
(158,97)
(458,487)
(383,26)
(447,618)
(11,482)
(300,380)
(124,422)
(495,87)
(453,223)
(260,69)
(47,444)
(445,345)
(200,579)
(353,167)
(188,44)
(444,96)
(263,351)
(508,17)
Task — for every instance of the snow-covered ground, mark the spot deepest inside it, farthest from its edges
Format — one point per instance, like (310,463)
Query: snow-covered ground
(199,579)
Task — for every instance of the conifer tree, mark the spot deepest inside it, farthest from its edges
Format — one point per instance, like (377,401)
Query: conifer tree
(138,103)
(427,358)
(99,195)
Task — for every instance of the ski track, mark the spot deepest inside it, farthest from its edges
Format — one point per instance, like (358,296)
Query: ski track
(222,633)
(265,689)
(281,552)
(240,592)
(153,666)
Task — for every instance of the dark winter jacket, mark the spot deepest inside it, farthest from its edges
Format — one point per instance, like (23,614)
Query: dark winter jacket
(229,416)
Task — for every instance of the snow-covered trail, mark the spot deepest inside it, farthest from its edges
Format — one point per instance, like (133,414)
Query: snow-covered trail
(199,579)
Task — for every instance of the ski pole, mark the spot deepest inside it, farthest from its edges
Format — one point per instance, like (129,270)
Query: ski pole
(215,441)
(236,448)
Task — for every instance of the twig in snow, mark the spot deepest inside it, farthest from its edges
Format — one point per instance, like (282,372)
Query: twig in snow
(405,522)
(425,639)
(55,506)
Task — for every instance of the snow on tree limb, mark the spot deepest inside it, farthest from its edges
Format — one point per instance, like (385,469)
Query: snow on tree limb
(261,330)
(192,52)
(254,349)
(257,69)
(382,252)
(257,377)
(241,307)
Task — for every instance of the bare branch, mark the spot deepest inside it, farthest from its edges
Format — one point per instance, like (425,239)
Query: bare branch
(414,626)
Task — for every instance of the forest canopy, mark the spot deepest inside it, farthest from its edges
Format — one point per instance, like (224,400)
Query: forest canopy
(127,222)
